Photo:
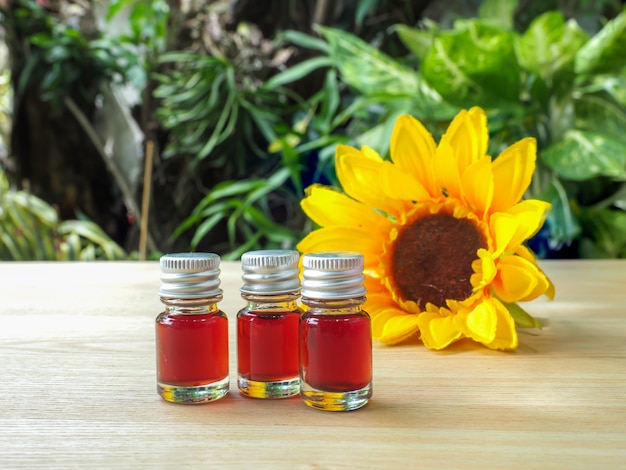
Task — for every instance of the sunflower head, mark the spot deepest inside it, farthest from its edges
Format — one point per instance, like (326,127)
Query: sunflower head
(441,228)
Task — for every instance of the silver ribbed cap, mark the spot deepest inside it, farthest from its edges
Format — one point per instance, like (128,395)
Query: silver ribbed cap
(190,275)
(270,272)
(337,275)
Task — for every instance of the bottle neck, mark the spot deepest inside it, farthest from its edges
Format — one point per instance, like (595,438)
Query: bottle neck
(335,306)
(283,301)
(196,306)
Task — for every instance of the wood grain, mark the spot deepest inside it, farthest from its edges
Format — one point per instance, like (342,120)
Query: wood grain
(78,386)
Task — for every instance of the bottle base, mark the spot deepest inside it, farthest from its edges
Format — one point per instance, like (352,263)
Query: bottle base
(278,389)
(335,401)
(194,395)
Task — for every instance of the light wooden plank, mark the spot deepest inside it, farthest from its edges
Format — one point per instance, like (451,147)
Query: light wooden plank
(78,385)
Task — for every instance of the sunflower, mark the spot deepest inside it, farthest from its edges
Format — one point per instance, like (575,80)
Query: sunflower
(441,228)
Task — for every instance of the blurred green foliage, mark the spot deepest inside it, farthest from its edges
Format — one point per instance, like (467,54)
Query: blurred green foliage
(555,83)
(30,230)
(552,81)
(238,127)
(59,59)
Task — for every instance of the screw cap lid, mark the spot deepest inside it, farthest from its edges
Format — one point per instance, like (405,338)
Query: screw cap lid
(270,272)
(190,275)
(333,275)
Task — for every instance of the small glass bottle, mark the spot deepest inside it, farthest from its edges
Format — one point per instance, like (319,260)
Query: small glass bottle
(335,333)
(192,333)
(267,327)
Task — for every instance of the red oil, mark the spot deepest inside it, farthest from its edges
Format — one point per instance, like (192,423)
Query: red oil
(267,345)
(336,351)
(192,350)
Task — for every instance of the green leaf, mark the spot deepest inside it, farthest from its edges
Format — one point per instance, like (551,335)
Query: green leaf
(37,207)
(250,244)
(588,249)
(43,40)
(224,190)
(474,65)
(614,85)
(198,215)
(562,223)
(550,44)
(273,231)
(262,122)
(522,317)
(90,231)
(57,53)
(330,100)
(28,74)
(12,247)
(608,227)
(230,107)
(115,6)
(418,41)
(296,72)
(205,227)
(605,51)
(599,112)
(70,247)
(363,9)
(180,56)
(88,253)
(304,40)
(499,12)
(367,69)
(582,155)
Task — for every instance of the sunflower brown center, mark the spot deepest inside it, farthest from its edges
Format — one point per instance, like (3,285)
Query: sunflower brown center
(432,259)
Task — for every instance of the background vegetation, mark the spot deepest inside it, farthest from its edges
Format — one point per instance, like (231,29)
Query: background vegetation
(245,104)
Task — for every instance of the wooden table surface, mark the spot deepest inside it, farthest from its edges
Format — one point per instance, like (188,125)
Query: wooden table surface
(78,386)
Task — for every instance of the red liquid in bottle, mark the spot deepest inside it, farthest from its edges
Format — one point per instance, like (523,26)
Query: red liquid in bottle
(336,351)
(267,345)
(192,349)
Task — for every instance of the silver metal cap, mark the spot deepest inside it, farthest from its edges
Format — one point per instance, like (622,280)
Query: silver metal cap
(270,272)
(336,275)
(190,275)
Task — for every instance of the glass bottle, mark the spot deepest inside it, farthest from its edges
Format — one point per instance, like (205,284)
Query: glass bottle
(192,333)
(267,327)
(335,338)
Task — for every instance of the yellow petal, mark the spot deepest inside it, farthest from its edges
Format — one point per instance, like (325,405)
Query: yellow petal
(519,280)
(359,175)
(506,335)
(503,228)
(526,253)
(512,172)
(343,238)
(446,170)
(478,323)
(399,184)
(529,256)
(477,185)
(510,229)
(532,214)
(412,151)
(328,207)
(468,136)
(378,301)
(484,269)
(437,332)
(513,282)
(380,319)
(373,284)
(399,328)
